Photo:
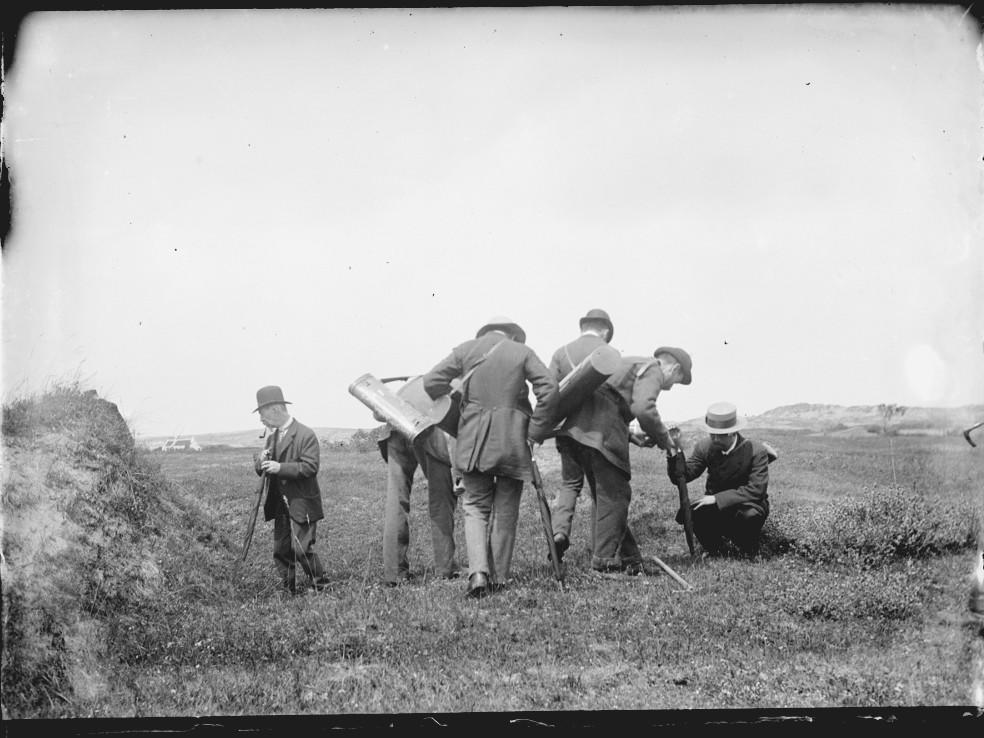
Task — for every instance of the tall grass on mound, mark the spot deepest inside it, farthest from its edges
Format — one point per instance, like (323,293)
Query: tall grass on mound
(87,526)
(882,526)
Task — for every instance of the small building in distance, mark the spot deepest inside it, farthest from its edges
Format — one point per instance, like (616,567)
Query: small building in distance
(180,444)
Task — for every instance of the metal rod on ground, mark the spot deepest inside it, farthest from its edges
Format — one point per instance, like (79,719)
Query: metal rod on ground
(541,499)
(665,567)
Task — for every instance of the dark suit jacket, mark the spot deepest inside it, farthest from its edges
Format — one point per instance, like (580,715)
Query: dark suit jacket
(571,354)
(602,421)
(299,454)
(495,405)
(741,477)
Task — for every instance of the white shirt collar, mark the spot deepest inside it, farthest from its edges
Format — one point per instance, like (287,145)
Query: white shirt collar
(285,426)
(732,448)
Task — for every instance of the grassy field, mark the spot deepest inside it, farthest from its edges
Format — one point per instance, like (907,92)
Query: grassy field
(793,629)
(858,600)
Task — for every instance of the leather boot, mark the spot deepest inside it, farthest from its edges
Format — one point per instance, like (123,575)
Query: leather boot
(478,585)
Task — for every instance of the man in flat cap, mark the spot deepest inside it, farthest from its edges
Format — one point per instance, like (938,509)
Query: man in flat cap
(597,438)
(492,449)
(290,458)
(735,503)
(596,330)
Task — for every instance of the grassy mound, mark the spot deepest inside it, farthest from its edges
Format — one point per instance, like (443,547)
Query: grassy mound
(879,527)
(88,520)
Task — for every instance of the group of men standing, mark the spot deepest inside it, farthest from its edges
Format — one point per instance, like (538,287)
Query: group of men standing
(491,450)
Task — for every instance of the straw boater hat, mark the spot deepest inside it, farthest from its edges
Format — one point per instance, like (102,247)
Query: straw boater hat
(722,417)
(269,395)
(502,323)
(601,315)
(681,356)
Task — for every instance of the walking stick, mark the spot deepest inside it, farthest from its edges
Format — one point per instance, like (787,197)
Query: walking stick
(545,517)
(681,482)
(264,486)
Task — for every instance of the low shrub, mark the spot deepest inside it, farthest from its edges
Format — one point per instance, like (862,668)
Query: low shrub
(881,526)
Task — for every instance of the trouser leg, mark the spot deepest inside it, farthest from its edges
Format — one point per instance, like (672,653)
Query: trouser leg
(476,503)
(612,497)
(283,551)
(441,502)
(400,467)
(745,529)
(293,544)
(571,484)
(505,505)
(708,527)
(304,538)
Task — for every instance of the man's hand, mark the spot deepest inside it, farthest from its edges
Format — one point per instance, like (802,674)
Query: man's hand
(270,467)
(704,501)
(676,466)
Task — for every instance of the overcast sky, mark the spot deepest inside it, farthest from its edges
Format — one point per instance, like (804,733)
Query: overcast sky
(205,202)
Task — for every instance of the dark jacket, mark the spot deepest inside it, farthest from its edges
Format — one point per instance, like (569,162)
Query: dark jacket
(571,354)
(602,421)
(741,477)
(495,405)
(299,454)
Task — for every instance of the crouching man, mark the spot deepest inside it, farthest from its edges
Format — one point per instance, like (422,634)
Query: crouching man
(736,503)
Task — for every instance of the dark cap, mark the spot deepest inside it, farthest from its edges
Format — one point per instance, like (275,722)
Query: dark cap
(682,357)
(601,316)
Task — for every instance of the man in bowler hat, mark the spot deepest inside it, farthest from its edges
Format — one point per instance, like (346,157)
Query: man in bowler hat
(492,449)
(735,503)
(596,330)
(290,458)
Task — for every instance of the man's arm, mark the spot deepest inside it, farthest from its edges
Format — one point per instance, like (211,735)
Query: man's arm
(437,382)
(754,489)
(645,391)
(545,390)
(308,461)
(556,368)
(697,461)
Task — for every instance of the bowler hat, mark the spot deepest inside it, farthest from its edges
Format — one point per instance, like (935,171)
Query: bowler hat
(681,356)
(602,316)
(502,323)
(269,395)
(722,417)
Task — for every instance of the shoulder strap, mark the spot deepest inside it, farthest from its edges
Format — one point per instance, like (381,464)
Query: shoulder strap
(569,359)
(644,367)
(468,374)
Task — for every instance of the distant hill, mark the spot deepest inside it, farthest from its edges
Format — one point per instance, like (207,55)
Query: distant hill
(802,417)
(838,418)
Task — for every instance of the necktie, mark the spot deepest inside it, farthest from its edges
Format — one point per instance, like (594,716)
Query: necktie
(273,446)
